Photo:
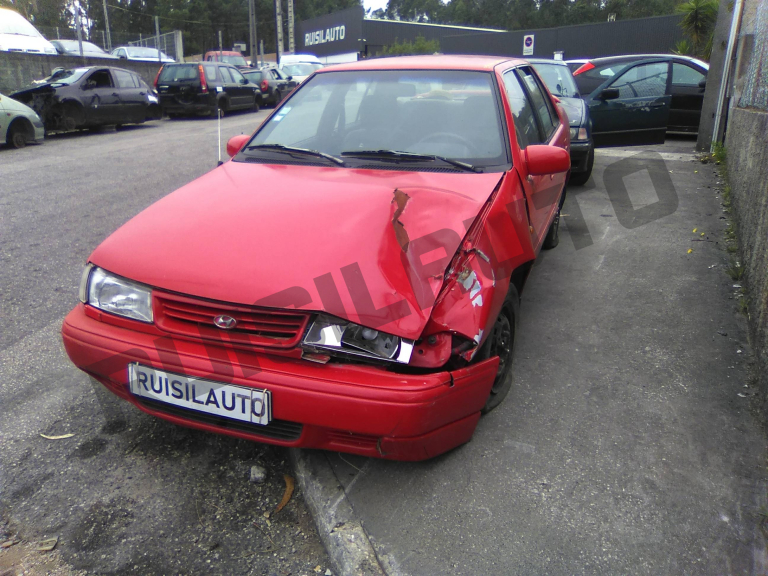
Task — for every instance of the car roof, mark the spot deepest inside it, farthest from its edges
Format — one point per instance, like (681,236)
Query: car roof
(609,59)
(429,62)
(546,61)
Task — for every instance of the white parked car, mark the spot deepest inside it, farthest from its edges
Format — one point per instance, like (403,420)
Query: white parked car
(141,54)
(19,124)
(18,35)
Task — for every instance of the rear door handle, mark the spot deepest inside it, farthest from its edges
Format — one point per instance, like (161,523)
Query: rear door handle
(658,105)
(115,94)
(142,93)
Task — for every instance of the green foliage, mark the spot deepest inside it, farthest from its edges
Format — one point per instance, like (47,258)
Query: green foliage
(719,153)
(699,17)
(419,46)
(683,47)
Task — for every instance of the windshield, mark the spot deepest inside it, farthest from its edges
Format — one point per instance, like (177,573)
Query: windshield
(558,79)
(13,23)
(234,60)
(140,52)
(433,112)
(298,69)
(67,76)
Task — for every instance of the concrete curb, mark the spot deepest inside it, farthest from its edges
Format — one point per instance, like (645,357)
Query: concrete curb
(340,529)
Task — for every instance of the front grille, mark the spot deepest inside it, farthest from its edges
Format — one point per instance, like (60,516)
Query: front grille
(277,429)
(262,327)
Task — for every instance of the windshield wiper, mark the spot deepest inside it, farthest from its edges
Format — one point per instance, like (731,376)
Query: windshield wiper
(294,150)
(409,156)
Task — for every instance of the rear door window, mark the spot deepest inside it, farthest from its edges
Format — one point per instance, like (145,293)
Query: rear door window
(526,126)
(684,75)
(124,79)
(542,104)
(236,76)
(226,78)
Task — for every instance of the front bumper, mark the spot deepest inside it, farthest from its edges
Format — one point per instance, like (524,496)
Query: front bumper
(580,156)
(343,407)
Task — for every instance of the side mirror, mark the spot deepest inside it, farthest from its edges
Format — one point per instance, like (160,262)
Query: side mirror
(122,57)
(235,143)
(244,81)
(89,85)
(290,77)
(609,94)
(542,159)
(702,84)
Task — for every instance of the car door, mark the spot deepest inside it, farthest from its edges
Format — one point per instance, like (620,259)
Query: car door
(133,99)
(227,85)
(240,87)
(535,123)
(100,98)
(687,97)
(632,108)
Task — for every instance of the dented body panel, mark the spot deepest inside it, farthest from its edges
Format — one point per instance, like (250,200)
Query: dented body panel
(424,255)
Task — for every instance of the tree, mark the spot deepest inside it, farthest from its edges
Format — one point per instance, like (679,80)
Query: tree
(419,46)
(698,22)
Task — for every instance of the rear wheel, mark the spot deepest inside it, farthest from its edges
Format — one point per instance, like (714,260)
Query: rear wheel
(501,342)
(17,135)
(73,116)
(255,107)
(278,97)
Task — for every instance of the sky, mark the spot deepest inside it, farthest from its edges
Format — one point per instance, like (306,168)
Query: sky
(374,4)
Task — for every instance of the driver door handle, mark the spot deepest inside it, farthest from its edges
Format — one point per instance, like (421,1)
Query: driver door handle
(115,94)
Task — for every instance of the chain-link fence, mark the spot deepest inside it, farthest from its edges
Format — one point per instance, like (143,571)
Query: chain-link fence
(170,43)
(755,92)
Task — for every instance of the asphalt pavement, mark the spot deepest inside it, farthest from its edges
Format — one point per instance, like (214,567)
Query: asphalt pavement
(626,445)
(147,497)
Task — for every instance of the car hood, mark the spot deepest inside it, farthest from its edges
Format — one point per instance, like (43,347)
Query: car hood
(24,43)
(574,107)
(357,244)
(8,104)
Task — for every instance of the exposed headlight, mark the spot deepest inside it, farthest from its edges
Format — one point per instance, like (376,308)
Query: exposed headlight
(578,133)
(331,334)
(115,295)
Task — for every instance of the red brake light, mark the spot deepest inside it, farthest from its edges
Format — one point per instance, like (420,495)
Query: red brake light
(203,83)
(264,86)
(584,68)
(158,75)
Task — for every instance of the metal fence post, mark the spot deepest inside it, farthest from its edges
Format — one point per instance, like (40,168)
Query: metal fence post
(157,39)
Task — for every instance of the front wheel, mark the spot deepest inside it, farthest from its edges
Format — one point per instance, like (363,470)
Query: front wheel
(552,238)
(501,343)
(17,136)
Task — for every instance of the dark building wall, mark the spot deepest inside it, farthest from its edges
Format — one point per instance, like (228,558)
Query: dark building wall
(337,33)
(380,33)
(643,35)
(19,70)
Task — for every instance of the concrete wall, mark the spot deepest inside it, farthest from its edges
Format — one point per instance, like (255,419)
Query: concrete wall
(747,146)
(19,70)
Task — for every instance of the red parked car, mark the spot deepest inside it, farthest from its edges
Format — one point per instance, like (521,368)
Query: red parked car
(350,280)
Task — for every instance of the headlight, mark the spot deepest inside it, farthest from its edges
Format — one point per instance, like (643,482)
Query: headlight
(152,98)
(335,335)
(578,133)
(116,295)
(49,50)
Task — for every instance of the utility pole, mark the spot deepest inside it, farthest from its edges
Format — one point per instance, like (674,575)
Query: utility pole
(291,42)
(254,35)
(157,39)
(278,31)
(79,30)
(261,51)
(220,48)
(106,26)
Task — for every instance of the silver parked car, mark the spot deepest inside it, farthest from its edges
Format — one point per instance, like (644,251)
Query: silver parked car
(19,124)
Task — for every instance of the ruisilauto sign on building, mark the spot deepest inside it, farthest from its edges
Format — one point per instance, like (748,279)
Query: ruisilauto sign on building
(333,34)
(327,35)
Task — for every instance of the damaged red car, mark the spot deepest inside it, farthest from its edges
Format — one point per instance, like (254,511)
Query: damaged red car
(350,280)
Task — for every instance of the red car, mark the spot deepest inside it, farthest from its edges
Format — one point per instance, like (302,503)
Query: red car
(350,280)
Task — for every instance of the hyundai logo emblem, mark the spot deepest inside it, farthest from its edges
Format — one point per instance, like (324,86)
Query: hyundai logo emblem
(225,322)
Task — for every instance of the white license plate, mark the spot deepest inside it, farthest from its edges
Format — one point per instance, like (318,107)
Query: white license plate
(235,402)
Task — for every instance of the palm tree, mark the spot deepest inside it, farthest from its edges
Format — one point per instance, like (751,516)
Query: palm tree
(698,22)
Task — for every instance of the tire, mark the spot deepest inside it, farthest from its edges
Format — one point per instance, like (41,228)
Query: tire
(278,97)
(552,238)
(255,107)
(73,116)
(501,342)
(17,135)
(221,104)
(581,178)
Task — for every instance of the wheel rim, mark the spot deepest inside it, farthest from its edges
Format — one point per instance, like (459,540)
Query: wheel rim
(18,139)
(501,346)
